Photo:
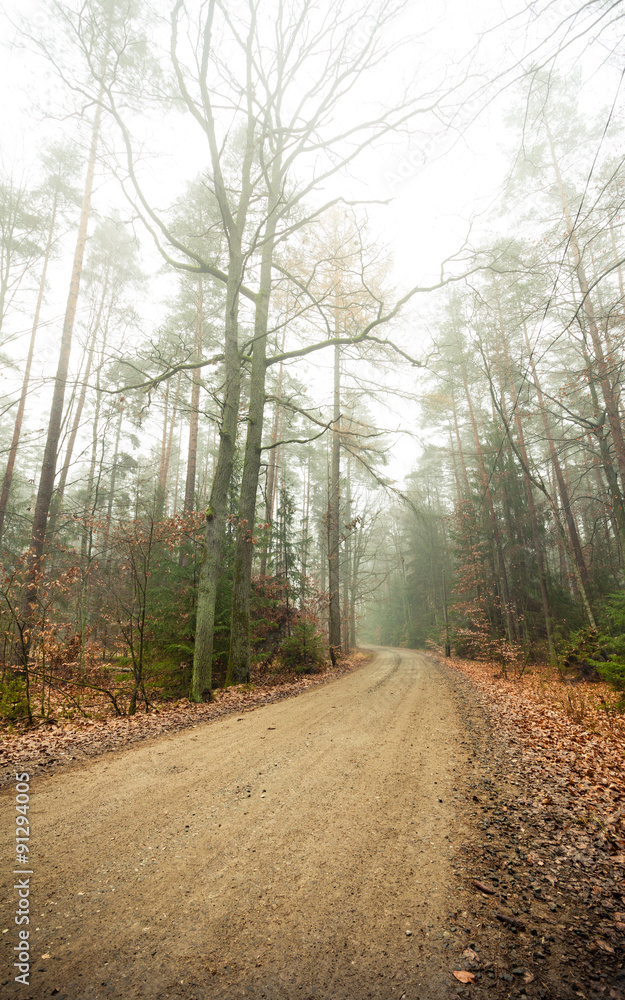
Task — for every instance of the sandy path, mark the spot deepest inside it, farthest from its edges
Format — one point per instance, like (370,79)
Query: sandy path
(282,855)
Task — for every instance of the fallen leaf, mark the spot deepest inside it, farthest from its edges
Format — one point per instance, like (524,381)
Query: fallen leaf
(471,955)
(528,977)
(604,946)
(464,977)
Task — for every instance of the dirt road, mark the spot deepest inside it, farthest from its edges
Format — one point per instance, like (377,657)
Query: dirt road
(303,850)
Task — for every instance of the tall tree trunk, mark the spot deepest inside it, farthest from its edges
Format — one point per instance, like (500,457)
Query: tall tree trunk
(217,510)
(602,435)
(463,465)
(178,456)
(87,548)
(305,531)
(617,259)
(161,482)
(334,527)
(575,544)
(466,500)
(238,671)
(48,471)
(347,558)
(112,486)
(92,498)
(274,456)
(538,547)
(549,496)
(57,502)
(501,564)
(454,463)
(170,441)
(189,490)
(610,515)
(323,553)
(19,417)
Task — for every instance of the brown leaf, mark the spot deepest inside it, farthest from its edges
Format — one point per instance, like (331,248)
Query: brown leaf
(528,977)
(604,946)
(464,977)
(471,955)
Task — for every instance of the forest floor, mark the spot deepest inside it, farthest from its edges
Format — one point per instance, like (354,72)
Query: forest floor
(550,823)
(406,827)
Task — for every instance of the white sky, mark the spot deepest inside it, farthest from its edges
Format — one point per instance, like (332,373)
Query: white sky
(431,204)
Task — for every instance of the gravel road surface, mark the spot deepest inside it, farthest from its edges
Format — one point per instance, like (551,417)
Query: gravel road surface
(303,850)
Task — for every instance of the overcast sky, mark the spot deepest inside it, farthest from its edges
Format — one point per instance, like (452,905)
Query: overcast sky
(435,189)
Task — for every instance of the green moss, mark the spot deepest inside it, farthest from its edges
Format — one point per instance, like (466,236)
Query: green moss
(13,700)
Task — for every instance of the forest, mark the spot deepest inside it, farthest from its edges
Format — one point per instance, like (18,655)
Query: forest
(242,430)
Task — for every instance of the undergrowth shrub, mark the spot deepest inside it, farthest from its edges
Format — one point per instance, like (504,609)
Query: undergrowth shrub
(602,650)
(611,664)
(303,650)
(13,699)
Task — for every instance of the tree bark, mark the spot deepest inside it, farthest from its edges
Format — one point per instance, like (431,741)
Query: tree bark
(216,512)
(48,471)
(305,539)
(347,566)
(189,491)
(271,480)
(19,417)
(565,500)
(334,533)
(538,548)
(57,503)
(112,485)
(238,671)
(501,567)
(170,440)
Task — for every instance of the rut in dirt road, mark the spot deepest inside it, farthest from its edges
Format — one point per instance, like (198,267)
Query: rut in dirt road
(300,851)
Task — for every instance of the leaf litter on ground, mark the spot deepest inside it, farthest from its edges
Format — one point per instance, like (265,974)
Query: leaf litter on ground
(548,763)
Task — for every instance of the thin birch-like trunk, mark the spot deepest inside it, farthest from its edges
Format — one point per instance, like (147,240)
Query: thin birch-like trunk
(19,417)
(334,528)
(48,470)
(189,490)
